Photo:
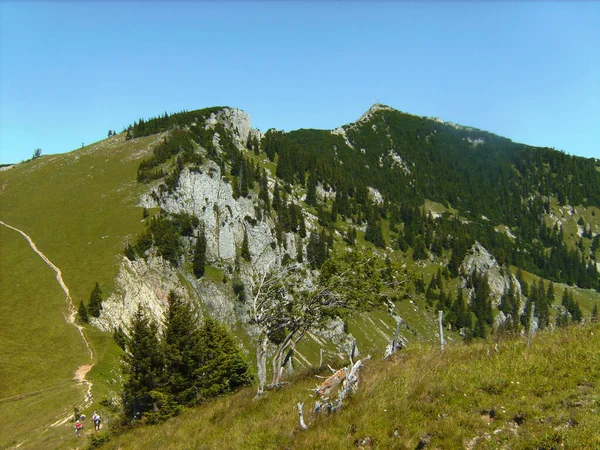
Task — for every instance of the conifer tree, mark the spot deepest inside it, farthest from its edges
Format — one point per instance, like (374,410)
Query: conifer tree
(222,367)
(142,365)
(263,192)
(299,250)
(311,190)
(276,198)
(373,233)
(246,247)
(181,350)
(95,304)
(119,337)
(199,261)
(301,224)
(83,313)
(129,252)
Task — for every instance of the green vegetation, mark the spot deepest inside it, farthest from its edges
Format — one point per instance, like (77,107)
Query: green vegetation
(40,350)
(519,397)
(80,210)
(185,366)
(535,210)
(95,304)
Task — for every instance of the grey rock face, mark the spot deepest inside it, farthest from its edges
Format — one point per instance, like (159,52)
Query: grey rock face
(479,259)
(139,282)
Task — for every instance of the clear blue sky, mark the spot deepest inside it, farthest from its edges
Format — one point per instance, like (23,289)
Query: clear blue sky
(70,71)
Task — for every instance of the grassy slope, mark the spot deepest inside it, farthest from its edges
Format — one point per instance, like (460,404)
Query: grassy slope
(472,396)
(79,209)
(39,351)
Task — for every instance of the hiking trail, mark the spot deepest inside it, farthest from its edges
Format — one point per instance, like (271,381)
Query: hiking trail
(82,371)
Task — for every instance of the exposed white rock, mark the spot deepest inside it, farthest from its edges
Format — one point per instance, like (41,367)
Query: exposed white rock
(210,198)
(217,302)
(373,109)
(138,282)
(375,195)
(236,120)
(342,132)
(504,229)
(323,194)
(397,161)
(478,258)
(475,142)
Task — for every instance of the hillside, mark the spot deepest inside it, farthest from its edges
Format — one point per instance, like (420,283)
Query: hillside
(502,237)
(483,395)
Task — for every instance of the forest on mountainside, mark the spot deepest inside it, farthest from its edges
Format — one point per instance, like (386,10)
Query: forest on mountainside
(484,181)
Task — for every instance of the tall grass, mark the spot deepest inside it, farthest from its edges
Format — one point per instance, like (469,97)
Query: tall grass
(472,396)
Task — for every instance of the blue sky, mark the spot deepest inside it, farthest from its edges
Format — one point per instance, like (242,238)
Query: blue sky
(70,71)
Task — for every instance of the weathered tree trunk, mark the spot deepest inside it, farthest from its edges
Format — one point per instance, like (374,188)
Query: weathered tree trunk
(284,352)
(302,424)
(261,362)
(349,377)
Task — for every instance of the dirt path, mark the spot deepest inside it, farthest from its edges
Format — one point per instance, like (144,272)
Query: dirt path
(70,318)
(72,310)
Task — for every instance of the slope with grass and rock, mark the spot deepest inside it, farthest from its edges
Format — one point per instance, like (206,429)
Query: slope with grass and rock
(451,218)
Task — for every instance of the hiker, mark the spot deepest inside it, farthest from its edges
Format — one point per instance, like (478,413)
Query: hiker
(78,427)
(96,420)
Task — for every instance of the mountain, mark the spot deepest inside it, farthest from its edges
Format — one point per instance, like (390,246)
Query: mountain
(501,236)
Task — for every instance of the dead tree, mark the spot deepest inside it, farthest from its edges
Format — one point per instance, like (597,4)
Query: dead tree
(348,378)
(287,303)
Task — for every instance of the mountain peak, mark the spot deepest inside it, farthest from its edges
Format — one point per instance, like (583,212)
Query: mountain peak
(373,109)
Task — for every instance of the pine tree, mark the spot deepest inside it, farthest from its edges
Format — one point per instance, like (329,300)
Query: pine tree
(129,252)
(142,366)
(301,224)
(95,304)
(311,190)
(222,367)
(594,317)
(299,250)
(120,338)
(83,313)
(181,350)
(263,191)
(199,261)
(373,234)
(246,247)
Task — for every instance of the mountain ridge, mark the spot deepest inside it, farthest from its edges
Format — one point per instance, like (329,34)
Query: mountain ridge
(420,201)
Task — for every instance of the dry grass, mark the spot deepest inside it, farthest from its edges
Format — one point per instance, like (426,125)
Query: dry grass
(472,396)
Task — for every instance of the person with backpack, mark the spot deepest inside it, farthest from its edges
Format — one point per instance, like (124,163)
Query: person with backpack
(96,420)
(78,427)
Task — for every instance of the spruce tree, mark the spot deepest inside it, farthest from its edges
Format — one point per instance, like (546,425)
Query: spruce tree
(199,261)
(83,313)
(129,252)
(299,250)
(263,191)
(181,350)
(95,304)
(373,233)
(246,247)
(222,367)
(142,365)
(311,190)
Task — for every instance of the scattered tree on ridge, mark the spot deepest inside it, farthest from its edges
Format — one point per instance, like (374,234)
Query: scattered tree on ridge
(95,304)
